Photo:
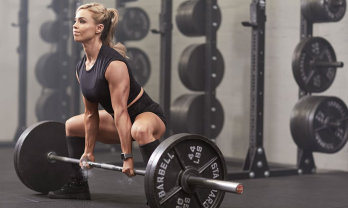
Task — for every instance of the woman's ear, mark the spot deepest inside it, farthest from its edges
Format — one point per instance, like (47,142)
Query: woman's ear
(99,28)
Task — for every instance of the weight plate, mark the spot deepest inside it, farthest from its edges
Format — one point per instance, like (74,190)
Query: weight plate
(187,115)
(30,157)
(59,6)
(323,10)
(139,64)
(319,124)
(192,68)
(134,24)
(52,105)
(171,160)
(309,77)
(191,18)
(49,31)
(52,70)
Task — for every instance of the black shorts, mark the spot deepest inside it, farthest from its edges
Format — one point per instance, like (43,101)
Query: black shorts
(145,104)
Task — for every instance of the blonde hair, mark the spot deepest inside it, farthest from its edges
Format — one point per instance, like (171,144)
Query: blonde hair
(109,18)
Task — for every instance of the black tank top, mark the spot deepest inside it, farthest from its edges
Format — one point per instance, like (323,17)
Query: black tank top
(93,83)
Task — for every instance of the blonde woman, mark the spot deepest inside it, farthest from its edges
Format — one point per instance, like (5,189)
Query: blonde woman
(106,79)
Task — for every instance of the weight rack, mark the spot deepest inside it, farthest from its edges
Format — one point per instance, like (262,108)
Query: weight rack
(255,164)
(305,159)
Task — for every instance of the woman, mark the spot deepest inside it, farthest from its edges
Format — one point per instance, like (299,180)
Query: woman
(105,78)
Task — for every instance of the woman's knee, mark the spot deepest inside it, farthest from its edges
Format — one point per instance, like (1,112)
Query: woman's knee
(141,133)
(74,127)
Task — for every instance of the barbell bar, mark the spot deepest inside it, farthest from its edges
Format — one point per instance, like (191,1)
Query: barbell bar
(185,168)
(339,64)
(191,180)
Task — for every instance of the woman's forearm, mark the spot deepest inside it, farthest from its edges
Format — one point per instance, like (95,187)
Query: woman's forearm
(123,125)
(91,122)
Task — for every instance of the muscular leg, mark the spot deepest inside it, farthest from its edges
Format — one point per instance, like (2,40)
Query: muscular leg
(77,187)
(107,131)
(146,130)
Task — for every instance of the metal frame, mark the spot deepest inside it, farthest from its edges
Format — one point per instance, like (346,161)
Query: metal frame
(210,67)
(255,164)
(23,67)
(305,159)
(165,31)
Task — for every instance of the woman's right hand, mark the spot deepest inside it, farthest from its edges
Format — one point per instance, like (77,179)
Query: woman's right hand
(84,160)
(128,167)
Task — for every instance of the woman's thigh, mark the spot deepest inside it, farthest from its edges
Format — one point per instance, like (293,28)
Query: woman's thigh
(107,131)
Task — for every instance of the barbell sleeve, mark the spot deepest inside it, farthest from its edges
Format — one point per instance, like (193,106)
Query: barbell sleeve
(52,156)
(328,64)
(227,186)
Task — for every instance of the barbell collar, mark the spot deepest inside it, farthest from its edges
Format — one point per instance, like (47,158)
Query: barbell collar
(338,64)
(227,186)
(52,157)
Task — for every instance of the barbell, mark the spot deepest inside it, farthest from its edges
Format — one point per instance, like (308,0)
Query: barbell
(185,169)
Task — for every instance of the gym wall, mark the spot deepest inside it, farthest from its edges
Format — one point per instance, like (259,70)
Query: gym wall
(233,41)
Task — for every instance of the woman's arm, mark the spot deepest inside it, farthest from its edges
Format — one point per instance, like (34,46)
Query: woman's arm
(118,79)
(91,122)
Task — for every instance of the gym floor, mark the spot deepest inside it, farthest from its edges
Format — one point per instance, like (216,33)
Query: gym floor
(325,189)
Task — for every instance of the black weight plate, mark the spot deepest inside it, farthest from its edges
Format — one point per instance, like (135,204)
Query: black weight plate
(30,157)
(52,105)
(59,6)
(191,18)
(49,31)
(319,124)
(311,78)
(52,71)
(192,69)
(134,24)
(323,10)
(140,65)
(187,115)
(167,163)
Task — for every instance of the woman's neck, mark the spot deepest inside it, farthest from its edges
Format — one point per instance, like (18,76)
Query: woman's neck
(91,49)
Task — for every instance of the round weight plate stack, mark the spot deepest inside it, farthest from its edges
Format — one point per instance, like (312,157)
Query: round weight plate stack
(190,18)
(187,115)
(140,65)
(192,69)
(134,24)
(30,157)
(309,77)
(49,31)
(52,71)
(60,5)
(173,157)
(323,10)
(52,105)
(320,124)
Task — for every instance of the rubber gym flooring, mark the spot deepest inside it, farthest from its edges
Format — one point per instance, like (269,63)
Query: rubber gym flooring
(325,189)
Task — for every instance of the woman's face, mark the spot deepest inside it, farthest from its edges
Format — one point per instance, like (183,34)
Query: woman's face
(85,27)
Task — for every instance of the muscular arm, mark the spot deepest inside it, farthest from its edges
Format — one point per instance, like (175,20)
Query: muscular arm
(118,79)
(91,122)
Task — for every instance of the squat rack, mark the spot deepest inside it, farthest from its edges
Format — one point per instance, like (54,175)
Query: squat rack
(255,164)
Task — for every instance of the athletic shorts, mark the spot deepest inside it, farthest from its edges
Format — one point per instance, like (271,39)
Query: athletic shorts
(145,104)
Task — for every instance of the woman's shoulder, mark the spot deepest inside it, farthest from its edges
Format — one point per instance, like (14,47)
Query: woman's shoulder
(112,53)
(81,63)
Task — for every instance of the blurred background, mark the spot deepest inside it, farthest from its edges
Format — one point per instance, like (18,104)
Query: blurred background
(51,90)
